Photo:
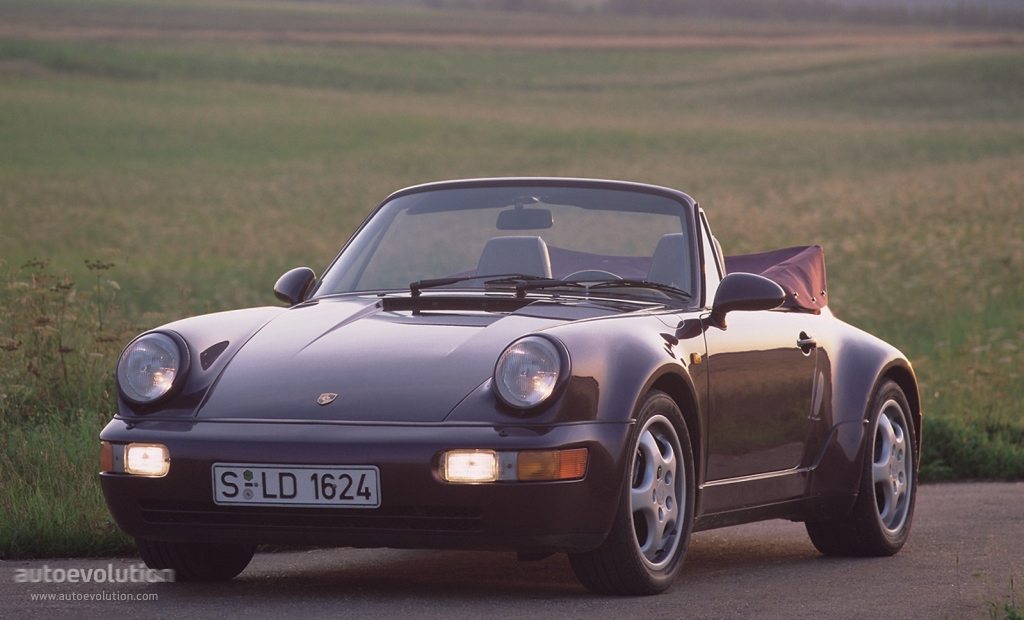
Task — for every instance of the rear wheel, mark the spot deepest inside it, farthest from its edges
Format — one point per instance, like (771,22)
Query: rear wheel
(645,548)
(879,523)
(196,561)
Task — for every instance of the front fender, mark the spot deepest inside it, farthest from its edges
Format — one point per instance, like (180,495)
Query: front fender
(213,339)
(628,358)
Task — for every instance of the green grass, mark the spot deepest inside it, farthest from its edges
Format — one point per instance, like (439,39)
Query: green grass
(50,498)
(203,148)
(58,341)
(1007,606)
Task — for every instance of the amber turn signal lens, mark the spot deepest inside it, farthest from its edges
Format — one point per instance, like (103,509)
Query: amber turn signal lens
(552,465)
(106,457)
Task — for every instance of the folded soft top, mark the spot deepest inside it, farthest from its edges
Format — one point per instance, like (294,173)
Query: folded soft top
(800,271)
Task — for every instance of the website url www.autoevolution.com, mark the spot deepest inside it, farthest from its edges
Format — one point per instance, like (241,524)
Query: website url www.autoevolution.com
(96,596)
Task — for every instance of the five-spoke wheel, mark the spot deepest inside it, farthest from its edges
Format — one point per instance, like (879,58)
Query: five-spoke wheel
(890,468)
(879,522)
(645,548)
(656,487)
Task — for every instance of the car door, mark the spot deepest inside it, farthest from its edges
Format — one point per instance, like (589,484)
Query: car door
(760,374)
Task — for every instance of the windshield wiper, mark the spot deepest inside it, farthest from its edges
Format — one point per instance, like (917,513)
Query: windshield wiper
(498,278)
(418,285)
(535,285)
(634,283)
(524,283)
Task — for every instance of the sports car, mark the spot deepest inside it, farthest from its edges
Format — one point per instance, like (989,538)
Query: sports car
(532,365)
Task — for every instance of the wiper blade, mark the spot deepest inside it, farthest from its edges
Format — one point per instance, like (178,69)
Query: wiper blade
(524,282)
(634,283)
(498,278)
(419,285)
(514,278)
(535,285)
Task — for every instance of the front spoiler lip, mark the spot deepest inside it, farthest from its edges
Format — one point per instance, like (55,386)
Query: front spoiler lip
(545,516)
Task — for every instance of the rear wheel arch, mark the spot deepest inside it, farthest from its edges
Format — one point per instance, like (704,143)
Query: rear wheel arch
(904,377)
(858,377)
(879,521)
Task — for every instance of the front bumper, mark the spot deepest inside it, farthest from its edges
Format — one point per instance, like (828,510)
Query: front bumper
(418,509)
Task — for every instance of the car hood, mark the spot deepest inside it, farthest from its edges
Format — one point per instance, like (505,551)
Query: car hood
(383,365)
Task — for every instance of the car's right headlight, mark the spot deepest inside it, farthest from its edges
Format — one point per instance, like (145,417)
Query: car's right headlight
(151,367)
(529,371)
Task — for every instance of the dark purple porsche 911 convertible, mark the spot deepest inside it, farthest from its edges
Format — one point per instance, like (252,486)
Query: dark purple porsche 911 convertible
(530,365)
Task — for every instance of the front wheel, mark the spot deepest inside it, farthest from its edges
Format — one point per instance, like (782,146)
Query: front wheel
(879,523)
(196,561)
(645,548)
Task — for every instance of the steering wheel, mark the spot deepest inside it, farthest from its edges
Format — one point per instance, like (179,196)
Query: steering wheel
(591,275)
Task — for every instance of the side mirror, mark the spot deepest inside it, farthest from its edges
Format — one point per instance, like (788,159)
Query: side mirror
(745,291)
(294,285)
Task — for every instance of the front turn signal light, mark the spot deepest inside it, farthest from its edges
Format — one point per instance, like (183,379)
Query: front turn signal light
(552,465)
(478,466)
(106,457)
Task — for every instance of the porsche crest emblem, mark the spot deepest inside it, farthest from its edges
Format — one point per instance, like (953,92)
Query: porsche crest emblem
(326,399)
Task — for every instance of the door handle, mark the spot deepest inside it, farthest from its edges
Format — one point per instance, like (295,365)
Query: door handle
(806,343)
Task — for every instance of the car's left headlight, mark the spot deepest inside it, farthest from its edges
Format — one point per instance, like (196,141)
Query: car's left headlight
(529,371)
(151,367)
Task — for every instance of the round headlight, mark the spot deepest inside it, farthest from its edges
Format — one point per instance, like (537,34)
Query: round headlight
(148,367)
(528,372)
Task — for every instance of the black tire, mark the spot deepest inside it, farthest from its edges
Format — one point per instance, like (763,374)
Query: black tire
(648,540)
(196,561)
(879,523)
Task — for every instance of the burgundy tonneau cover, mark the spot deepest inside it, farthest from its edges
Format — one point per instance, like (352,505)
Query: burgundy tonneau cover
(800,271)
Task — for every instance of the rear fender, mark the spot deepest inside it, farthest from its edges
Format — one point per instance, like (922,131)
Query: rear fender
(860,363)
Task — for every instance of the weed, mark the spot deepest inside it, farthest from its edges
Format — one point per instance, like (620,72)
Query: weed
(58,345)
(58,350)
(1007,609)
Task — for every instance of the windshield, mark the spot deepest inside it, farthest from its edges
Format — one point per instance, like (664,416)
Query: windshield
(465,234)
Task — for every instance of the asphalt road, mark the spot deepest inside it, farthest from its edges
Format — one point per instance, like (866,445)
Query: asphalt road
(966,545)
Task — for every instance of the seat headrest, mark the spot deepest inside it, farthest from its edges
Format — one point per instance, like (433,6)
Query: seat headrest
(671,262)
(515,255)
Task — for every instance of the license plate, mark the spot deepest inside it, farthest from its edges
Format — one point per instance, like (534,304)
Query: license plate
(243,484)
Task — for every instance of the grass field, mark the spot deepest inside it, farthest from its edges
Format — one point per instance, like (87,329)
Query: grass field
(196,150)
